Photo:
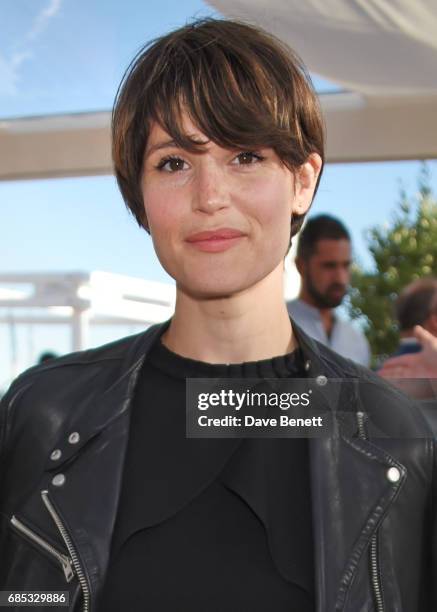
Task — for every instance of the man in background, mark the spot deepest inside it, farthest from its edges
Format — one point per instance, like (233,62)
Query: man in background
(46,356)
(416,305)
(418,365)
(323,261)
(413,367)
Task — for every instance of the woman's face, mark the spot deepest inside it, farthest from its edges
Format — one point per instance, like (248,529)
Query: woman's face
(243,199)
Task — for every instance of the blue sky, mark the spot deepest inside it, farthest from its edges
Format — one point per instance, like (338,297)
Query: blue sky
(69,55)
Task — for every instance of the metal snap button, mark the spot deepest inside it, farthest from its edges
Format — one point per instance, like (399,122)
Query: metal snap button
(56,454)
(58,480)
(393,474)
(321,380)
(74,437)
(307,365)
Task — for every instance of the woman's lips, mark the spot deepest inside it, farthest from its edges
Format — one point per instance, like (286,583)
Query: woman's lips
(215,241)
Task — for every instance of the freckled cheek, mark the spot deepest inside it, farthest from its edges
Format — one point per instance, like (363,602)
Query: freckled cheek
(270,201)
(162,211)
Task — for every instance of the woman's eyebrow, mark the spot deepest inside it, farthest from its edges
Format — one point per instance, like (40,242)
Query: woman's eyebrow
(160,145)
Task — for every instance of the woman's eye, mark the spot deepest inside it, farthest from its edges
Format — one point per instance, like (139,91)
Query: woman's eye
(248,157)
(172,164)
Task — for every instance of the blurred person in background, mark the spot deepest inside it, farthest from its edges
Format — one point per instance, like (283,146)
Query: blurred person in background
(420,364)
(47,356)
(416,314)
(416,305)
(323,261)
(415,373)
(218,146)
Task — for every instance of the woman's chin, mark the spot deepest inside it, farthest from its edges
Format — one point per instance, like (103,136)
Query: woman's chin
(212,289)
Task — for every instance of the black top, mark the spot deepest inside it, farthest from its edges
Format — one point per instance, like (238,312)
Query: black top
(222,525)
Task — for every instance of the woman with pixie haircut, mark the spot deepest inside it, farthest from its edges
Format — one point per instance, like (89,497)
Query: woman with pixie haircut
(218,147)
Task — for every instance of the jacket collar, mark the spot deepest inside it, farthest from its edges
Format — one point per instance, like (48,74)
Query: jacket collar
(110,403)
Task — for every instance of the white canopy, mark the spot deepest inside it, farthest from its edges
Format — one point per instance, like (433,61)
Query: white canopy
(81,298)
(375,47)
(383,51)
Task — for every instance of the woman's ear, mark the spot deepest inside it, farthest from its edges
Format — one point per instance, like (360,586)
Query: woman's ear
(306,180)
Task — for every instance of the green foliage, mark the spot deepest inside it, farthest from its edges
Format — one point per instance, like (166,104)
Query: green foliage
(402,251)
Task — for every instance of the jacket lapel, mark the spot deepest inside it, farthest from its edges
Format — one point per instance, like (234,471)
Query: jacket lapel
(351,492)
(95,465)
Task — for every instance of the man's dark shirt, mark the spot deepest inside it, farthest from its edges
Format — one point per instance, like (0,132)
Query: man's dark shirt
(408,347)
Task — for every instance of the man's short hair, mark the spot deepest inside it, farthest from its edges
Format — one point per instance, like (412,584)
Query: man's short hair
(321,227)
(241,86)
(416,303)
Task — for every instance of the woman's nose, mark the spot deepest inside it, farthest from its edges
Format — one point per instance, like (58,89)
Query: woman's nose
(211,189)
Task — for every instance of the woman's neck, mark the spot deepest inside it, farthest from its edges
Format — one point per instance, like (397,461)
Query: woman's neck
(249,326)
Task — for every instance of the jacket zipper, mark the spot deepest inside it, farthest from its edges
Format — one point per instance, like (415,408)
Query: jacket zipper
(72,551)
(65,561)
(374,565)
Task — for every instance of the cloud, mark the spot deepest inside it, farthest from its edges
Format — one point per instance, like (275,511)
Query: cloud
(8,77)
(10,66)
(42,19)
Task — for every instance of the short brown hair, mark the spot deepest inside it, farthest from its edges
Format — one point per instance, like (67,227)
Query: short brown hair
(241,87)
(416,303)
(321,227)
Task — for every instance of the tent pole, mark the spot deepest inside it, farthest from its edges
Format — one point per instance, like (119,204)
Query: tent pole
(79,329)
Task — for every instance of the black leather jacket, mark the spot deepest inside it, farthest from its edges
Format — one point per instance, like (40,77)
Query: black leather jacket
(64,430)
